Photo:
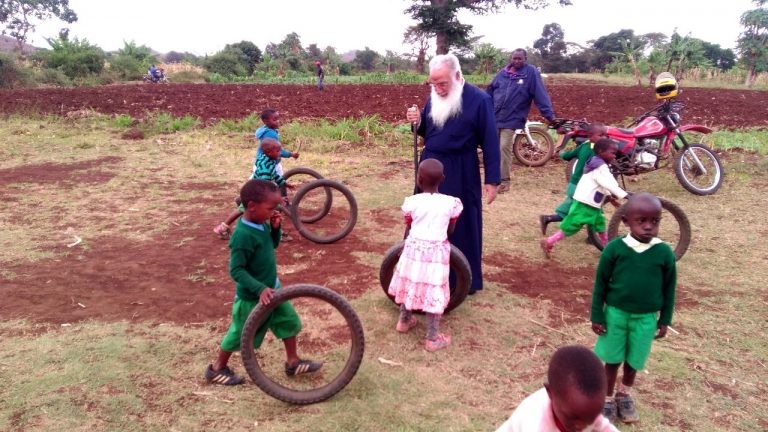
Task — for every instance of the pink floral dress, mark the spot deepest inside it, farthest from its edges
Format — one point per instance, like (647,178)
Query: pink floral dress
(420,280)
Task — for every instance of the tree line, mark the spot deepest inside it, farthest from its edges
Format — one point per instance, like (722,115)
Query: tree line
(642,55)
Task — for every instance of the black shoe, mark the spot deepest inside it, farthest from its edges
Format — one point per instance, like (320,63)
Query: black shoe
(224,376)
(543,222)
(302,367)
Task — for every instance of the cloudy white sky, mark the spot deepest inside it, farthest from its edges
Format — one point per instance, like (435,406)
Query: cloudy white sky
(202,27)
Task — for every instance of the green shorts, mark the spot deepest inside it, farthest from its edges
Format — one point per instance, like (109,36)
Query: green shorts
(628,337)
(565,206)
(581,214)
(284,323)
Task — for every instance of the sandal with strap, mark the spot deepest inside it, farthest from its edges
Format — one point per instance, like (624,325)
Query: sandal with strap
(442,341)
(404,327)
(302,367)
(223,376)
(222,230)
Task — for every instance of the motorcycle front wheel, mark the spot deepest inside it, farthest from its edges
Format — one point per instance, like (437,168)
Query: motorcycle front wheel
(698,169)
(536,151)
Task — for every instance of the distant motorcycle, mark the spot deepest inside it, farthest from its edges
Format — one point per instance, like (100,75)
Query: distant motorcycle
(161,79)
(532,145)
(651,144)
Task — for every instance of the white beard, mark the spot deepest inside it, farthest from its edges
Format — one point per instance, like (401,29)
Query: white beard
(446,107)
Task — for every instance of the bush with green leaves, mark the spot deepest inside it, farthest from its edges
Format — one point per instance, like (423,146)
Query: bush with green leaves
(76,58)
(11,73)
(229,62)
(132,61)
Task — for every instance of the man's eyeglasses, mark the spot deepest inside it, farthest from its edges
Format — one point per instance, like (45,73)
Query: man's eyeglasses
(441,84)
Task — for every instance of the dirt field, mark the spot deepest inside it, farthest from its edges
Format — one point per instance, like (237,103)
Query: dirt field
(149,270)
(210,102)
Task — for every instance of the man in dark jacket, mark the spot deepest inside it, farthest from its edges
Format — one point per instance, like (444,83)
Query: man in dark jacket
(512,90)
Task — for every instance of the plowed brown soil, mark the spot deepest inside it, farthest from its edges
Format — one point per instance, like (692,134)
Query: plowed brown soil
(212,102)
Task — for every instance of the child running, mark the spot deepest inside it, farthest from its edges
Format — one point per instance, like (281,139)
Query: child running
(265,168)
(595,187)
(271,120)
(633,300)
(570,401)
(253,266)
(420,280)
(581,153)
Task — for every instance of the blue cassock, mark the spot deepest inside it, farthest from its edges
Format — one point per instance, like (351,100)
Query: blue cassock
(455,145)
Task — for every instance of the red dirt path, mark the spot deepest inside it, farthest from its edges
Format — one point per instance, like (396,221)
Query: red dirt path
(212,102)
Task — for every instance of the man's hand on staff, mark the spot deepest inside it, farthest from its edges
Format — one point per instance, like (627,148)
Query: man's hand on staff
(490,192)
(413,116)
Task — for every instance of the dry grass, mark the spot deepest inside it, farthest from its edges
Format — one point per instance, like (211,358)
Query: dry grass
(90,376)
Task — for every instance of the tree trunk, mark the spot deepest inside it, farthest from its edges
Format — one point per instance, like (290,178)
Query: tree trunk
(751,75)
(442,43)
(420,59)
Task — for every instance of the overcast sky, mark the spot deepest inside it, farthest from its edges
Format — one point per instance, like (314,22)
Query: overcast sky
(202,27)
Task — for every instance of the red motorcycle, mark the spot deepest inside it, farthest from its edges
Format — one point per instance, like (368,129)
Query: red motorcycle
(652,143)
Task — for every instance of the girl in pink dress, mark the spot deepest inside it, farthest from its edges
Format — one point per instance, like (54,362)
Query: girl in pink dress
(420,280)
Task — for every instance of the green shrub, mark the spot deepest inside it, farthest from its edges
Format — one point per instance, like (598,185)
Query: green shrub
(76,58)
(228,63)
(11,73)
(124,121)
(167,123)
(247,124)
(53,77)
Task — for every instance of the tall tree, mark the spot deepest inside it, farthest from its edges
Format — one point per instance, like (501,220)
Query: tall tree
(609,45)
(251,52)
(552,48)
(21,16)
(721,58)
(487,56)
(420,41)
(753,42)
(631,50)
(440,17)
(366,59)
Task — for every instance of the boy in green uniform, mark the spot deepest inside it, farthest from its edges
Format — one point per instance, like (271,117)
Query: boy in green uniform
(253,266)
(582,153)
(633,300)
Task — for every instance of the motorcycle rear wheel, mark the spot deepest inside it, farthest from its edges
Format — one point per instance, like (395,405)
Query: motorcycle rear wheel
(690,175)
(536,153)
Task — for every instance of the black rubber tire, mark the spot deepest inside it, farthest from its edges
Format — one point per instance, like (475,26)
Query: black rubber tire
(459,265)
(261,312)
(520,147)
(684,225)
(328,194)
(304,229)
(569,168)
(699,150)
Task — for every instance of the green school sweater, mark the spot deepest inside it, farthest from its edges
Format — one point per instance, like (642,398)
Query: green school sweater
(252,262)
(635,282)
(583,152)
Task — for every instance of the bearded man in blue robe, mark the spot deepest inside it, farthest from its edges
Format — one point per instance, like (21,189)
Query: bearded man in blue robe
(456,121)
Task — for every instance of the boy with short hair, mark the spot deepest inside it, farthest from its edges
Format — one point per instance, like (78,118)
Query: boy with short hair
(571,400)
(253,266)
(596,185)
(581,153)
(271,120)
(633,300)
(266,168)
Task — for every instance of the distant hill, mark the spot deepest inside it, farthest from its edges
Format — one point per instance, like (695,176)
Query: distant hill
(8,45)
